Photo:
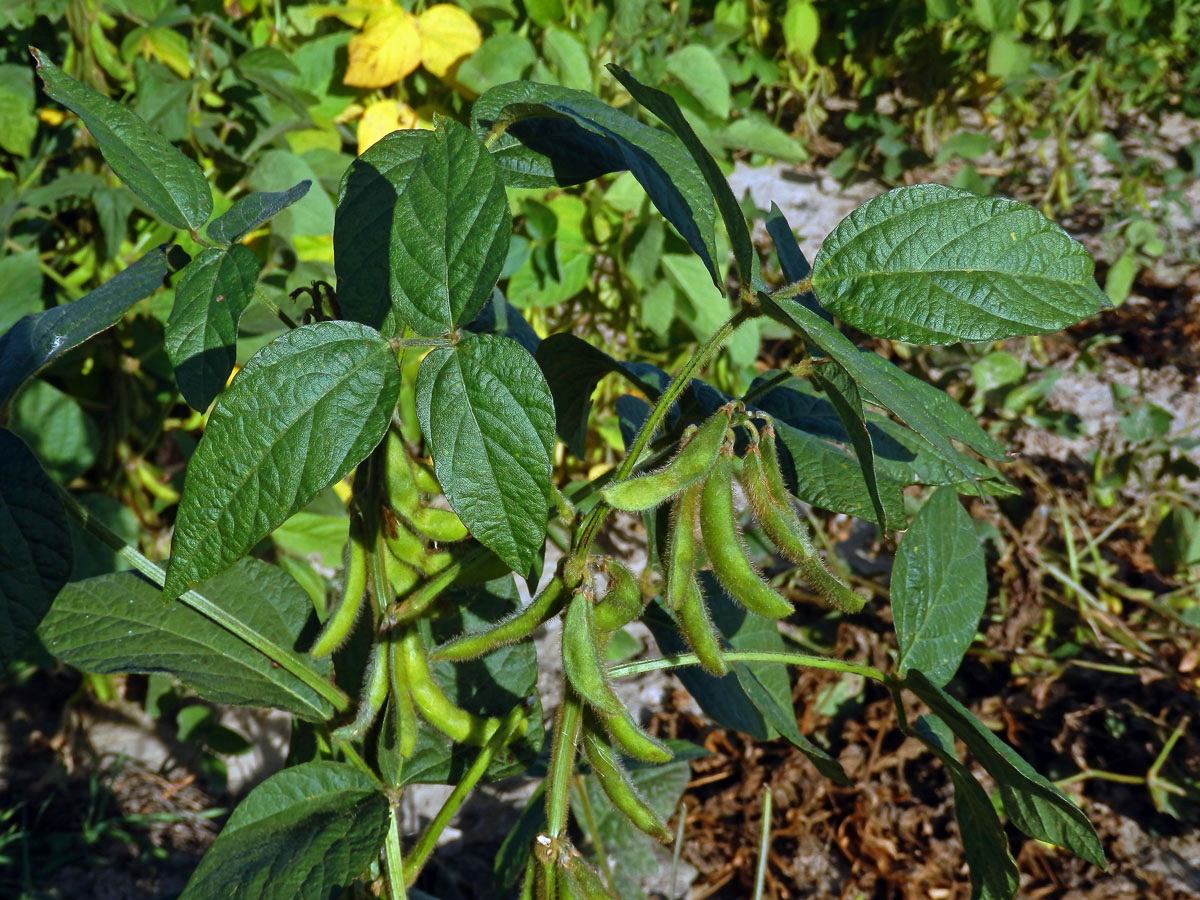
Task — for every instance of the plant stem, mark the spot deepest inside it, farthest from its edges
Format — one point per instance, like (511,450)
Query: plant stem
(562,763)
(792,659)
(393,860)
(287,659)
(764,844)
(428,840)
(658,413)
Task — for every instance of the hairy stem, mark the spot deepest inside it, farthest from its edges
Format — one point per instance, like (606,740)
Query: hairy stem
(562,763)
(791,659)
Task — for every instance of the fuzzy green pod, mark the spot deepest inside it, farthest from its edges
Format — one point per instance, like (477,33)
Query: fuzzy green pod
(698,630)
(577,880)
(431,701)
(680,560)
(374,692)
(403,495)
(632,739)
(690,464)
(340,624)
(581,656)
(788,532)
(725,549)
(402,700)
(516,627)
(620,790)
(622,602)
(441,525)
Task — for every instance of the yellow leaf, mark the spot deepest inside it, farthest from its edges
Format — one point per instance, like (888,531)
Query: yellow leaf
(381,119)
(388,48)
(353,14)
(448,35)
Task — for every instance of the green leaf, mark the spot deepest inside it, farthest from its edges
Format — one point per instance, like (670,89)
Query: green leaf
(994,873)
(422,219)
(697,68)
(170,184)
(40,337)
(201,334)
(22,276)
(18,123)
(930,417)
(488,686)
(664,106)
(305,410)
(488,415)
(567,53)
(252,210)
(303,834)
(930,264)
(755,133)
(938,588)
(120,623)
(556,136)
(56,428)
(1031,802)
(516,849)
(35,545)
(502,58)
(573,368)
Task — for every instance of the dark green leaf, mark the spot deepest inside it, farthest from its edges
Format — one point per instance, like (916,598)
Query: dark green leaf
(553,135)
(201,335)
(931,264)
(35,546)
(21,274)
(63,436)
(1032,803)
(488,415)
(423,220)
(303,834)
(305,410)
(664,106)
(169,183)
(40,337)
(573,368)
(252,210)
(120,623)
(994,873)
(938,588)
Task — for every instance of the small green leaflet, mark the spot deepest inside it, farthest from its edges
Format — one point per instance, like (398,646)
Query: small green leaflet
(304,411)
(1031,802)
(488,415)
(423,220)
(118,623)
(38,338)
(303,834)
(252,210)
(994,874)
(930,264)
(201,335)
(35,545)
(170,184)
(938,588)
(553,135)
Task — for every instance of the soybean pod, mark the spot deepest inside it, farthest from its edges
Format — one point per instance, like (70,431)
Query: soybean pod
(581,656)
(441,525)
(698,630)
(431,701)
(401,484)
(622,602)
(402,700)
(507,631)
(577,880)
(680,561)
(690,464)
(620,790)
(632,739)
(789,533)
(730,564)
(340,624)
(374,692)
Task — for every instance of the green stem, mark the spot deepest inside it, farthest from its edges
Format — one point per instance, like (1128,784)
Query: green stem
(392,857)
(355,759)
(287,659)
(764,845)
(792,659)
(273,307)
(658,413)
(429,838)
(562,763)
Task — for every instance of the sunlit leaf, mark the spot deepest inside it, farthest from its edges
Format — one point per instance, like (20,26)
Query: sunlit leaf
(448,35)
(380,119)
(387,49)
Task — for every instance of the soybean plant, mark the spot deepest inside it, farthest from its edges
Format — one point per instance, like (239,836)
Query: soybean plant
(440,410)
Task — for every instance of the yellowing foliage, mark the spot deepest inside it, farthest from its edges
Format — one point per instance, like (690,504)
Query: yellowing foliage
(382,118)
(388,48)
(448,34)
